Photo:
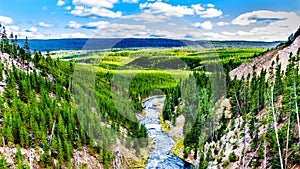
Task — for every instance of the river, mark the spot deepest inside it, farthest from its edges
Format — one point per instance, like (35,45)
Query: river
(160,156)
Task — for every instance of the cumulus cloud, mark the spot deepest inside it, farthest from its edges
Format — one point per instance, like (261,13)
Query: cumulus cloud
(262,16)
(96,25)
(166,9)
(159,7)
(267,24)
(211,5)
(197,8)
(32,29)
(130,1)
(205,25)
(68,8)
(60,3)
(222,23)
(128,27)
(282,29)
(5,20)
(73,25)
(95,11)
(45,25)
(210,13)
(73,35)
(95,3)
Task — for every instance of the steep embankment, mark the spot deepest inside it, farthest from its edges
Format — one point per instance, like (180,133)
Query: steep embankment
(15,71)
(260,130)
(265,60)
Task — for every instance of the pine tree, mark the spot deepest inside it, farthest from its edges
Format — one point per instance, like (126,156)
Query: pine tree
(60,156)
(46,159)
(26,45)
(19,157)
(24,141)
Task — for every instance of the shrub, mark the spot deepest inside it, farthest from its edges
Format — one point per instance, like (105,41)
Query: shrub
(226,163)
(232,157)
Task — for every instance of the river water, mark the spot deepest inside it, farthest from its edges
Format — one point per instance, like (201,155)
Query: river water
(160,156)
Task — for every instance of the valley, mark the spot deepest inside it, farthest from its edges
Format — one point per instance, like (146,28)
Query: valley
(178,107)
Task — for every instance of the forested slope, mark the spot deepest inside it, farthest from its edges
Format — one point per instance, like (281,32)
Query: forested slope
(39,127)
(257,121)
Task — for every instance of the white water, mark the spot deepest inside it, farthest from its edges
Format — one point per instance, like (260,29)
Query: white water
(160,157)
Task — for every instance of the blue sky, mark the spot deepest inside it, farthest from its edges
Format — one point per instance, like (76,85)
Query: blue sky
(265,20)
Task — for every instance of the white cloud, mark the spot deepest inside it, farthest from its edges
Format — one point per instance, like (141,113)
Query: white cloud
(98,24)
(121,30)
(261,16)
(73,35)
(95,11)
(269,25)
(25,34)
(12,28)
(5,20)
(130,28)
(73,24)
(282,29)
(222,23)
(68,8)
(60,3)
(130,1)
(166,9)
(214,36)
(95,3)
(242,33)
(32,35)
(210,13)
(44,8)
(197,8)
(228,33)
(159,7)
(205,25)
(32,32)
(211,5)
(148,17)
(32,29)
(45,25)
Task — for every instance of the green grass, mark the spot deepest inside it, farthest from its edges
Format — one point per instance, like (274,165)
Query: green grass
(164,59)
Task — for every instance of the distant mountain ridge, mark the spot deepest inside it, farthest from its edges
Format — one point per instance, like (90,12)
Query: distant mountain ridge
(97,44)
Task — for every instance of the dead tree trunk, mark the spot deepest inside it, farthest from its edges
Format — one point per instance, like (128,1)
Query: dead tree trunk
(297,111)
(275,126)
